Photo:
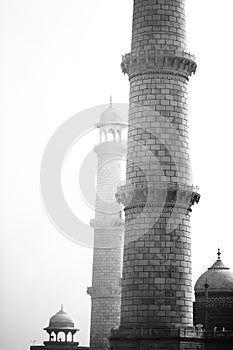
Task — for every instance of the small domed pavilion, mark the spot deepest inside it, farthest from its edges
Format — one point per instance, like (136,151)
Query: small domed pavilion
(59,323)
(61,330)
(213,306)
(110,125)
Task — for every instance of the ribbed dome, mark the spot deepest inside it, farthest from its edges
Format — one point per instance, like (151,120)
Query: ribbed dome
(218,277)
(61,320)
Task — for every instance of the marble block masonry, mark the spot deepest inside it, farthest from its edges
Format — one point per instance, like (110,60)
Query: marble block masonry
(156,299)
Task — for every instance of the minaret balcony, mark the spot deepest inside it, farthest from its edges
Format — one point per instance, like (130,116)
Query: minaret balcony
(181,63)
(161,194)
(104,292)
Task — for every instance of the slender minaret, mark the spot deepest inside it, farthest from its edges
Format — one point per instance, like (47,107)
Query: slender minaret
(108,231)
(156,303)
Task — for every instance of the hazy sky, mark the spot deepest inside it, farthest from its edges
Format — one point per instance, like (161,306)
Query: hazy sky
(58,58)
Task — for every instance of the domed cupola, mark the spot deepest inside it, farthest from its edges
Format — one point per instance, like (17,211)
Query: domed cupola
(110,115)
(213,306)
(61,324)
(61,320)
(110,125)
(218,276)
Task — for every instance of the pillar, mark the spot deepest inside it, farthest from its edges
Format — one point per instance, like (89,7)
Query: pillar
(156,303)
(108,245)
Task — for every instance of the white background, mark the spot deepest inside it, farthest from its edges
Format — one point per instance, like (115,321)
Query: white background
(57,58)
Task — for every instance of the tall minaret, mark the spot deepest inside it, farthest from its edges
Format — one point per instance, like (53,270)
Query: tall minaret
(108,231)
(156,307)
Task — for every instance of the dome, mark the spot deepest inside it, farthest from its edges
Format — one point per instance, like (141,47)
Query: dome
(61,320)
(110,115)
(218,277)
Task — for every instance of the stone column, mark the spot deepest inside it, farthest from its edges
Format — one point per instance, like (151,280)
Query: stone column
(108,245)
(157,278)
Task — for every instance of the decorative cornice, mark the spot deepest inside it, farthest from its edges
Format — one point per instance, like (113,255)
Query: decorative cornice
(107,223)
(161,75)
(112,124)
(111,148)
(104,293)
(161,196)
(179,63)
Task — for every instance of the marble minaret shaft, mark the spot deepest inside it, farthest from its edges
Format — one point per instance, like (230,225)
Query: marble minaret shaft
(108,232)
(156,282)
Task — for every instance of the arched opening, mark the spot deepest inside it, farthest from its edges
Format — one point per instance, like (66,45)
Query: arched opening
(111,135)
(52,336)
(69,337)
(119,134)
(61,337)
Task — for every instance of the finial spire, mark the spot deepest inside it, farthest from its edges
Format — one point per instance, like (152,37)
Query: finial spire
(219,254)
(110,105)
(62,307)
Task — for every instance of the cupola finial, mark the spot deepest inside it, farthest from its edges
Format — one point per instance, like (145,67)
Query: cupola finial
(110,105)
(219,254)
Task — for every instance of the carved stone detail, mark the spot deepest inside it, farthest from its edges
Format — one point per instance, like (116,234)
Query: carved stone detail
(104,293)
(158,195)
(180,63)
